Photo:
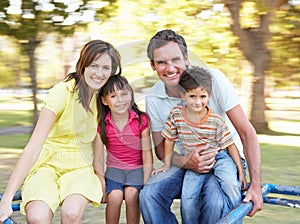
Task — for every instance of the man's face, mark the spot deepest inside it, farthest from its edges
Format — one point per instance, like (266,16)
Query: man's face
(169,63)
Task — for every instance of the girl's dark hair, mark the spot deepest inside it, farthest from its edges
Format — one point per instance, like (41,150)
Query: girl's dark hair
(163,37)
(194,77)
(115,82)
(90,52)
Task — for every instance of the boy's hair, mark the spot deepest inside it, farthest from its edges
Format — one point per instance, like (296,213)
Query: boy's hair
(163,37)
(115,82)
(194,77)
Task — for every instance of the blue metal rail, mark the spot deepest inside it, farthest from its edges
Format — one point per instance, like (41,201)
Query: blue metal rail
(244,208)
(236,214)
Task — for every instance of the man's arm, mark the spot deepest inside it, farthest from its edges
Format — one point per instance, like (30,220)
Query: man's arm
(201,163)
(252,153)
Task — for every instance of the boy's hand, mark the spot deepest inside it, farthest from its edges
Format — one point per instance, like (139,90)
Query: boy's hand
(243,181)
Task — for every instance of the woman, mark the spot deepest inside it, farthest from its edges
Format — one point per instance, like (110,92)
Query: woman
(58,159)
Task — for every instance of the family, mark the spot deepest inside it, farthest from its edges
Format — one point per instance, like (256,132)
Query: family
(193,118)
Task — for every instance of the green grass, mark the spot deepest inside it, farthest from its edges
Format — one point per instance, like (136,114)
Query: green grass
(280,165)
(13,141)
(15,118)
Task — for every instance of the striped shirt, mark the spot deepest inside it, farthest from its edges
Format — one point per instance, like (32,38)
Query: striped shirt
(211,130)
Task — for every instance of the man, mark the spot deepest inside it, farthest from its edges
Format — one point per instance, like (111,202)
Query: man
(168,56)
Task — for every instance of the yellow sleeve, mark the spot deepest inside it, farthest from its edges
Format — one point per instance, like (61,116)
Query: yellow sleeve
(56,98)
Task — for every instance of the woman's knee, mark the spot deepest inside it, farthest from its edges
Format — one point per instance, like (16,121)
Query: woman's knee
(72,208)
(38,212)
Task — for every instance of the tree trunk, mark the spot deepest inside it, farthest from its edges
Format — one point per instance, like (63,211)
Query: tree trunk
(30,48)
(258,106)
(252,43)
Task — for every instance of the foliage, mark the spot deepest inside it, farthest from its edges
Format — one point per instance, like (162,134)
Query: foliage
(14,141)
(285,45)
(204,24)
(29,22)
(17,118)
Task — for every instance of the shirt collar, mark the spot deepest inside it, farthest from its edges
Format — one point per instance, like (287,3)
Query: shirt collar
(132,115)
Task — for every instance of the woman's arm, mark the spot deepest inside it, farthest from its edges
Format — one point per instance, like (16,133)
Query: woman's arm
(30,154)
(147,154)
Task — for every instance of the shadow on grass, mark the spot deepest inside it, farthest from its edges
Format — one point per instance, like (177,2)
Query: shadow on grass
(277,133)
(14,141)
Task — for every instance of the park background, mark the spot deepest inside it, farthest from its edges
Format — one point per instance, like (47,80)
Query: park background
(255,43)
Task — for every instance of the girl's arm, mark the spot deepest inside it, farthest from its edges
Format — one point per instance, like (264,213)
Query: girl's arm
(147,154)
(169,146)
(99,164)
(30,154)
(234,153)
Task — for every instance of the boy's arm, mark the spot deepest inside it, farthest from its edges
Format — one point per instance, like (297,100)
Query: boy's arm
(147,154)
(234,153)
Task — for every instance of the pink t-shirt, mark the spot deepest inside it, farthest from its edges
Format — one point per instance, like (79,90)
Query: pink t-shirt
(124,149)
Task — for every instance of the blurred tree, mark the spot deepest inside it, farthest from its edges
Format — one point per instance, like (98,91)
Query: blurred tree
(285,45)
(216,34)
(29,22)
(252,29)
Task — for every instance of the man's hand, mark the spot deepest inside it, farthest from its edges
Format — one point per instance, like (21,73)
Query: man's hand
(200,160)
(254,194)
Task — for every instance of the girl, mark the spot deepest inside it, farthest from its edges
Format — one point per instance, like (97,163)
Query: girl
(59,154)
(125,132)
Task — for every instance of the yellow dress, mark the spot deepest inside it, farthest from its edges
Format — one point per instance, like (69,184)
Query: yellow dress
(65,166)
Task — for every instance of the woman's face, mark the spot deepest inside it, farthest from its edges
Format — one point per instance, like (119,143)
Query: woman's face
(98,72)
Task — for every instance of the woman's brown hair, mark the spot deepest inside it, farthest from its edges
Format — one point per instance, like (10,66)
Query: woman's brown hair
(90,52)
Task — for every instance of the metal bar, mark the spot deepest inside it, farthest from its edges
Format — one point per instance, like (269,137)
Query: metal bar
(17,196)
(284,189)
(282,202)
(10,221)
(237,214)
(244,208)
(15,207)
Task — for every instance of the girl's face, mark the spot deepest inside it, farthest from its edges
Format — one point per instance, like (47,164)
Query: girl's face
(118,101)
(98,72)
(196,100)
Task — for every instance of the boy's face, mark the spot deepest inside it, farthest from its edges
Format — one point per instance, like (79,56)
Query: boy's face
(196,99)
(169,63)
